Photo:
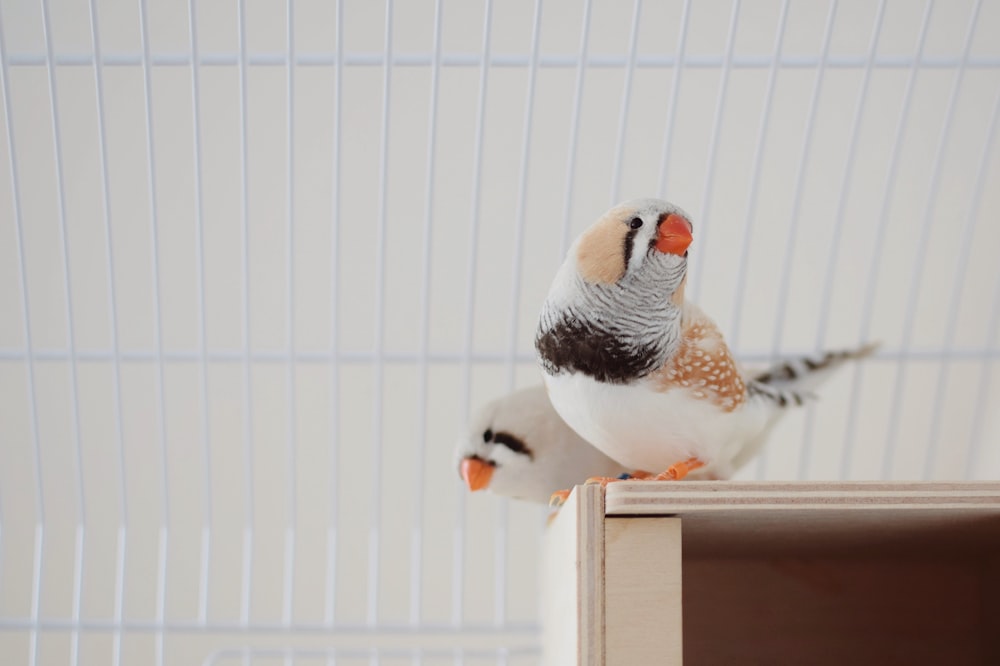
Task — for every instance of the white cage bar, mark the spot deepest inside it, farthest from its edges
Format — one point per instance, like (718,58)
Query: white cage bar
(259,262)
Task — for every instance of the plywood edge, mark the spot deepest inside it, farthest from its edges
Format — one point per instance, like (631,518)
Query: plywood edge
(671,498)
(590,573)
(573,581)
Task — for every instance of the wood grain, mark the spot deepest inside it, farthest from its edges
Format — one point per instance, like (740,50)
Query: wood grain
(775,573)
(573,582)
(669,497)
(643,591)
(759,519)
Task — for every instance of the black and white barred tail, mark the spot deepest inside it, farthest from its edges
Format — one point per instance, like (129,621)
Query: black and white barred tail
(781,397)
(791,382)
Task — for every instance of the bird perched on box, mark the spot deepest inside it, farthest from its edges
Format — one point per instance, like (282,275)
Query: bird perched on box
(519,447)
(639,371)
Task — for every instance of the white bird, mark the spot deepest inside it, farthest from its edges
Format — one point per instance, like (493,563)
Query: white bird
(517,446)
(643,374)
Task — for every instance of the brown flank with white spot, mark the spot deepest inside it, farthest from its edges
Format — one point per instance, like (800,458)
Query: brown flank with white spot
(703,364)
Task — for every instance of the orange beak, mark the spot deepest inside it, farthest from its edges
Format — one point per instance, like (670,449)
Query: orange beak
(675,235)
(476,473)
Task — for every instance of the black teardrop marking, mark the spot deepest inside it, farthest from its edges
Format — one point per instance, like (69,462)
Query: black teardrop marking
(514,443)
(629,240)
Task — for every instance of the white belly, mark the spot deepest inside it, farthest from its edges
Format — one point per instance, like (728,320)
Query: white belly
(650,430)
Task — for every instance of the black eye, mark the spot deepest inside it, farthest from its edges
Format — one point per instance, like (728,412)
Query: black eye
(488,435)
(635,223)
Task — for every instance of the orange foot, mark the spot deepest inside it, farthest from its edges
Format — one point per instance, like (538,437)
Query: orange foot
(558,498)
(602,481)
(678,471)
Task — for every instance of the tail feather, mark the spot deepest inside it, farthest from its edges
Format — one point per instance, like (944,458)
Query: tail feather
(790,384)
(781,396)
(804,374)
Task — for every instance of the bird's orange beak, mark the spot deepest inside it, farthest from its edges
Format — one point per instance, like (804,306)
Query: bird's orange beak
(675,235)
(476,473)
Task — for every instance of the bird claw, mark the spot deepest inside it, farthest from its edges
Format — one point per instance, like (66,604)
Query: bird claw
(558,498)
(601,481)
(678,471)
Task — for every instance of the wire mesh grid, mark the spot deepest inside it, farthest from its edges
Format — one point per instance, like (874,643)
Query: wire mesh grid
(260,260)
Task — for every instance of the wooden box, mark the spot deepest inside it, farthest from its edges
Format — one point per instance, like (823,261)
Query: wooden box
(774,573)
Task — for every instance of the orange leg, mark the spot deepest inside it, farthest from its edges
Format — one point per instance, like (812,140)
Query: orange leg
(678,471)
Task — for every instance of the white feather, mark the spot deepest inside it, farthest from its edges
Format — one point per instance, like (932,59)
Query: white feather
(562,459)
(643,428)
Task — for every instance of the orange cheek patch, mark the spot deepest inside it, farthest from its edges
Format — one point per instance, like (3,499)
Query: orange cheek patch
(600,256)
(703,364)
